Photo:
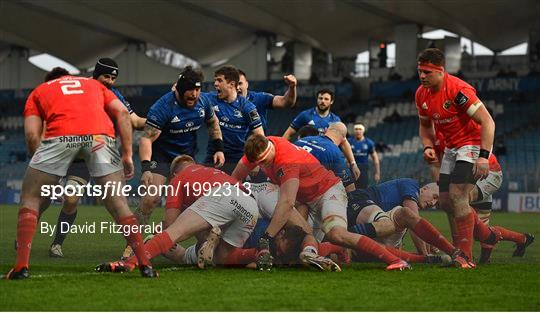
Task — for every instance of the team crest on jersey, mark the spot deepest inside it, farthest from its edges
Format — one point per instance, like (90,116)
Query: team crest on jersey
(364,146)
(201,112)
(424,106)
(447,104)
(237,114)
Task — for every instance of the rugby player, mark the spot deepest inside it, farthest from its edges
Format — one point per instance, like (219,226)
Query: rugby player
(205,199)
(363,147)
(264,101)
(170,131)
(78,113)
(237,116)
(321,117)
(481,201)
(449,105)
(325,148)
(106,72)
(302,178)
(387,210)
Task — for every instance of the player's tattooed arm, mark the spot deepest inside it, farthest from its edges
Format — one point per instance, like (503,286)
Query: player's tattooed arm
(214,131)
(150,134)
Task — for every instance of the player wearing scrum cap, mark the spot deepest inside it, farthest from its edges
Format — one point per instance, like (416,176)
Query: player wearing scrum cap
(170,130)
(362,148)
(302,178)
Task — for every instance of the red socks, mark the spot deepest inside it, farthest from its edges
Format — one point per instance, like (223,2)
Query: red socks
(407,256)
(481,230)
(464,233)
(369,246)
(509,235)
(327,248)
(134,239)
(431,235)
(160,244)
(241,256)
(26,228)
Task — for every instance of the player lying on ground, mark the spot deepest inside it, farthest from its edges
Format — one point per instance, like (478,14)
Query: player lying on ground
(302,178)
(385,212)
(481,199)
(204,199)
(78,112)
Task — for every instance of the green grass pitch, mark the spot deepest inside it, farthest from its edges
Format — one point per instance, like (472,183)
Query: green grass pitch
(69,284)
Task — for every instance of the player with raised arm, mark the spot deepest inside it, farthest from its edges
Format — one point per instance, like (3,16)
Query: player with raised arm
(237,116)
(302,178)
(264,101)
(78,113)
(449,105)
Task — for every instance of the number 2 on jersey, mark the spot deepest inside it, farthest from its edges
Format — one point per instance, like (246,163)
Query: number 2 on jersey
(71,87)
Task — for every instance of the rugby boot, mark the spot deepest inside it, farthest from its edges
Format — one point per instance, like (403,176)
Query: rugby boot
(399,266)
(319,262)
(205,256)
(520,247)
(16,275)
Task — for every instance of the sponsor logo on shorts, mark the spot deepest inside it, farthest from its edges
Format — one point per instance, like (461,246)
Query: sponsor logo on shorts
(243,214)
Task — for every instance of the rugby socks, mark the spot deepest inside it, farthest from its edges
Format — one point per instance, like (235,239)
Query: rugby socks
(135,240)
(464,233)
(26,228)
(482,232)
(241,256)
(509,235)
(327,248)
(369,246)
(407,256)
(431,235)
(61,232)
(366,229)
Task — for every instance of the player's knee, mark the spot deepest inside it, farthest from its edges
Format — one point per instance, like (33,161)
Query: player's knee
(337,235)
(405,217)
(384,226)
(70,204)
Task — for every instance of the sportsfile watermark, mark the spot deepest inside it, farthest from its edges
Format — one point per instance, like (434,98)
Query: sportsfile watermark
(196,189)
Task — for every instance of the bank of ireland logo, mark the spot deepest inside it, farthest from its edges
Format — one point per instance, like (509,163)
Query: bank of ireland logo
(189,124)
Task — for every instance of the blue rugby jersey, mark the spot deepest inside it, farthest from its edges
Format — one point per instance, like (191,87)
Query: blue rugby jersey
(311,117)
(236,120)
(178,125)
(324,150)
(362,149)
